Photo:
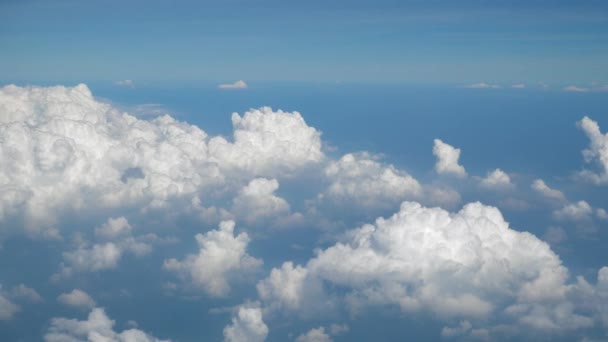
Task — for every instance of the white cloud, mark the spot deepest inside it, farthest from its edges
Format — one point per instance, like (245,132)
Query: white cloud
(22,291)
(257,201)
(240,84)
(575,89)
(601,214)
(539,186)
(97,328)
(359,179)
(315,335)
(222,256)
(7,308)
(447,159)
(497,179)
(579,211)
(247,326)
(468,265)
(98,257)
(126,83)
(114,228)
(597,152)
(593,88)
(77,298)
(483,85)
(268,143)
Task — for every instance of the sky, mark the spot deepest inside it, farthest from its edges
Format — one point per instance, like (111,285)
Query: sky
(231,171)
(555,42)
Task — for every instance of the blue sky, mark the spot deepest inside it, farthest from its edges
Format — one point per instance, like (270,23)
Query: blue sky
(388,41)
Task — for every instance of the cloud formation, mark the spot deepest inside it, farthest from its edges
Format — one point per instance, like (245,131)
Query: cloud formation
(247,326)
(497,179)
(240,84)
(97,327)
(77,298)
(540,187)
(596,153)
(222,257)
(483,85)
(447,159)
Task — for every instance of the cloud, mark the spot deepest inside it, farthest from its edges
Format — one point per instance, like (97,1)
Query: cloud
(361,180)
(97,327)
(597,152)
(447,159)
(314,335)
(240,84)
(247,326)
(7,308)
(496,179)
(114,228)
(68,152)
(579,211)
(483,85)
(126,83)
(576,89)
(518,86)
(601,214)
(540,187)
(555,235)
(222,256)
(467,265)
(22,291)
(256,201)
(77,298)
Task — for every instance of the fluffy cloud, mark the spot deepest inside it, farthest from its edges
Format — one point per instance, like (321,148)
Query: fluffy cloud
(539,186)
(113,228)
(7,308)
(257,201)
(247,326)
(222,256)
(597,152)
(497,179)
(63,150)
(467,265)
(268,143)
(360,179)
(579,211)
(447,159)
(240,84)
(314,335)
(77,298)
(22,291)
(98,327)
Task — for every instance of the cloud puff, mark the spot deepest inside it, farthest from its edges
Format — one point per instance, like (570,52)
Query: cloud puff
(222,256)
(575,89)
(360,179)
(257,201)
(467,265)
(268,143)
(77,298)
(247,326)
(579,211)
(22,291)
(539,186)
(483,85)
(64,151)
(315,335)
(7,308)
(447,159)
(114,228)
(97,327)
(597,152)
(497,179)
(240,84)
(126,83)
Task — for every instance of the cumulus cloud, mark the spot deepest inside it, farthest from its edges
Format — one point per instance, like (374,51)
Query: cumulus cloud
(222,256)
(468,265)
(579,211)
(64,150)
(597,152)
(360,179)
(601,214)
(240,84)
(257,201)
(315,335)
(483,85)
(114,228)
(97,327)
(540,187)
(247,326)
(22,291)
(497,179)
(77,298)
(268,143)
(7,308)
(447,159)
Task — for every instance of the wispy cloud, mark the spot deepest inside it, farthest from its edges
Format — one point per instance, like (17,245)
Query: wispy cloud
(126,83)
(593,88)
(240,84)
(518,86)
(483,85)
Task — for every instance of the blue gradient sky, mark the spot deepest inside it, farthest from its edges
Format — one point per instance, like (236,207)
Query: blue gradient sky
(555,42)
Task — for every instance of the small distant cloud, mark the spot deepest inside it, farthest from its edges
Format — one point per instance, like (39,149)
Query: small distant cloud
(126,83)
(518,86)
(483,85)
(576,89)
(240,84)
(594,88)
